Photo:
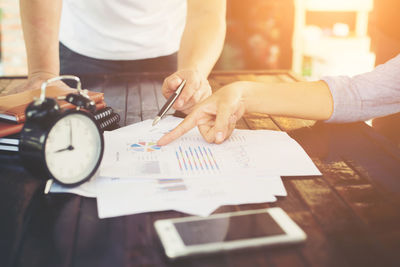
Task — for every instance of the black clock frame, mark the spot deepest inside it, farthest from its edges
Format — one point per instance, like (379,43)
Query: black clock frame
(41,117)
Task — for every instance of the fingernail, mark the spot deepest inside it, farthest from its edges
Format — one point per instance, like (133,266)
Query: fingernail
(219,137)
(177,80)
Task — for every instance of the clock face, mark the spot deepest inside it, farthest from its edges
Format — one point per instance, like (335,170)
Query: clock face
(73,148)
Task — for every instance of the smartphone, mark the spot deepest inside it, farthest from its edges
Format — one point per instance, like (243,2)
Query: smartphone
(188,236)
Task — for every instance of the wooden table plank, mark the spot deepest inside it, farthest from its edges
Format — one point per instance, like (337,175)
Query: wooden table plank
(342,178)
(287,78)
(53,217)
(8,86)
(380,214)
(215,84)
(133,104)
(254,257)
(290,124)
(157,83)
(260,121)
(317,250)
(3,85)
(242,124)
(141,248)
(115,92)
(99,242)
(221,80)
(388,126)
(19,194)
(346,234)
(148,99)
(381,166)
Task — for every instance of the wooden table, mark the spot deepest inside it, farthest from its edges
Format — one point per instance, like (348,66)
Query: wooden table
(351,214)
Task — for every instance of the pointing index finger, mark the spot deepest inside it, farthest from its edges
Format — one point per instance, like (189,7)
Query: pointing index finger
(186,125)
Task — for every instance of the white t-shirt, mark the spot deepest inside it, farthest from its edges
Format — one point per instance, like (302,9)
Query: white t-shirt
(122,29)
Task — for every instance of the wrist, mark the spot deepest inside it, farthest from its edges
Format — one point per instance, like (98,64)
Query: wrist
(192,73)
(193,69)
(244,90)
(36,79)
(43,75)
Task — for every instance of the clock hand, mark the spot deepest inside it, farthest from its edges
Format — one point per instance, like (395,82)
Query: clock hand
(70,133)
(70,147)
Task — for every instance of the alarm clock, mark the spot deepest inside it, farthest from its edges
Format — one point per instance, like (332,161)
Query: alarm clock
(66,146)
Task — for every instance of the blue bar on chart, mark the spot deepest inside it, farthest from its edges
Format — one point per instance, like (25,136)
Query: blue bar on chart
(194,160)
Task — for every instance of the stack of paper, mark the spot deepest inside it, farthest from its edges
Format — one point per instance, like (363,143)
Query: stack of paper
(190,175)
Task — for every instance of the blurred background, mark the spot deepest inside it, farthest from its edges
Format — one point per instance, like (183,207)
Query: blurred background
(313,38)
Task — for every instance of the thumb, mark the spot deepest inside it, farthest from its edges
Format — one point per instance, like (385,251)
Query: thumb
(170,84)
(174,82)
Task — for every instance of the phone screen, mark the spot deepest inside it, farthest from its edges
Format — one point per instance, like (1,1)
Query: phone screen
(228,229)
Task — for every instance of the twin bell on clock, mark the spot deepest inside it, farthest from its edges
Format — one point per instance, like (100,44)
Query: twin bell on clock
(64,145)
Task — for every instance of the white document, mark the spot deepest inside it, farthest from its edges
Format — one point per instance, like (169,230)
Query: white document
(87,189)
(133,153)
(118,197)
(190,175)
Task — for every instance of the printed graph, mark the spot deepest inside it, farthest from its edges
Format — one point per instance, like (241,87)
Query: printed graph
(144,147)
(171,185)
(194,159)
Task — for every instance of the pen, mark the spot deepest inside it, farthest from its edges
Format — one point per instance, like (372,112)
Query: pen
(171,100)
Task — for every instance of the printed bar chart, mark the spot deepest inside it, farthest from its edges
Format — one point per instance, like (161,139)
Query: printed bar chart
(195,159)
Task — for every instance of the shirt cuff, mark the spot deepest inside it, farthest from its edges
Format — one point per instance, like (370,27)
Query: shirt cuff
(346,102)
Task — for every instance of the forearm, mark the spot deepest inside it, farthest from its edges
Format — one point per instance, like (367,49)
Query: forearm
(307,100)
(204,35)
(40,23)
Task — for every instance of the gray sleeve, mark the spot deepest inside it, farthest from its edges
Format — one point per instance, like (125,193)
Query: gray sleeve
(368,95)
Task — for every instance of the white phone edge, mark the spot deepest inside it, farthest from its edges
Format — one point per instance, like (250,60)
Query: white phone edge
(175,248)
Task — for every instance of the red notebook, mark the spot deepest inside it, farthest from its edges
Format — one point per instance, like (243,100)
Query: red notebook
(12,107)
(9,127)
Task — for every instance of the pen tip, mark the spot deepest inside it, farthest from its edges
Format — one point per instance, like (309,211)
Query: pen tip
(156,120)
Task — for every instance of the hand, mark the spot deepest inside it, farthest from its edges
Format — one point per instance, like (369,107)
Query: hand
(196,89)
(215,117)
(35,81)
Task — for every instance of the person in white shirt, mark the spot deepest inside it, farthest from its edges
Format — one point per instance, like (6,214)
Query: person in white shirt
(184,37)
